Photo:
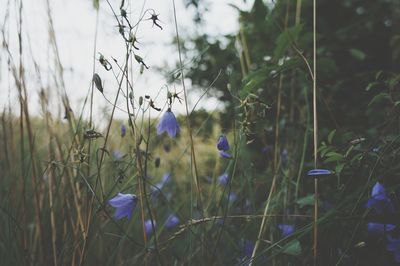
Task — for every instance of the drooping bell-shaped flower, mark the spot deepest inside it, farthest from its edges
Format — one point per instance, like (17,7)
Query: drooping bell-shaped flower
(379,228)
(123,130)
(223,179)
(286,229)
(171,221)
(148,227)
(124,205)
(169,124)
(222,143)
(232,197)
(380,201)
(223,147)
(393,245)
(318,172)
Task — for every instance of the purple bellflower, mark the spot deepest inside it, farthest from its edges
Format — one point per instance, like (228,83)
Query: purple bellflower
(380,201)
(222,144)
(318,172)
(393,245)
(123,130)
(223,147)
(379,228)
(124,205)
(223,179)
(171,221)
(286,229)
(148,227)
(118,155)
(169,124)
(232,197)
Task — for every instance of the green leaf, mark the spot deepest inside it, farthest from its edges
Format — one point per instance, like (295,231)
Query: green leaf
(339,168)
(379,97)
(331,135)
(371,85)
(334,154)
(292,248)
(306,201)
(285,39)
(357,54)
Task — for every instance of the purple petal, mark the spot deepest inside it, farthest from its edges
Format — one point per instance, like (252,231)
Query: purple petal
(393,244)
(171,221)
(123,130)
(379,192)
(124,205)
(223,144)
(225,155)
(286,229)
(169,124)
(318,172)
(166,178)
(148,228)
(380,228)
(223,179)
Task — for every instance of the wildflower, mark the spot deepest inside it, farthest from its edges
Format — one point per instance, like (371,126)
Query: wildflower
(376,149)
(169,124)
(223,144)
(219,221)
(225,155)
(118,155)
(284,156)
(393,245)
(380,201)
(223,179)
(266,149)
(247,247)
(380,228)
(286,229)
(171,221)
(318,172)
(232,197)
(148,227)
(223,147)
(165,179)
(124,205)
(123,130)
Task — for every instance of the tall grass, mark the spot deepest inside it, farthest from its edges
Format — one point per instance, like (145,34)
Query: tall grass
(58,175)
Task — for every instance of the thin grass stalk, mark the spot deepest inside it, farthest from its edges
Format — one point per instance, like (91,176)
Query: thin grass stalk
(315,131)
(193,164)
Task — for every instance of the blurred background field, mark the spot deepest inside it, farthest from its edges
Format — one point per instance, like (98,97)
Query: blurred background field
(79,126)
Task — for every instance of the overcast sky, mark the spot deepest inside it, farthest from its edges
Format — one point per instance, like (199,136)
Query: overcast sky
(74,24)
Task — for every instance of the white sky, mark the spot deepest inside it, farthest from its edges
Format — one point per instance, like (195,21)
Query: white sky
(74,24)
